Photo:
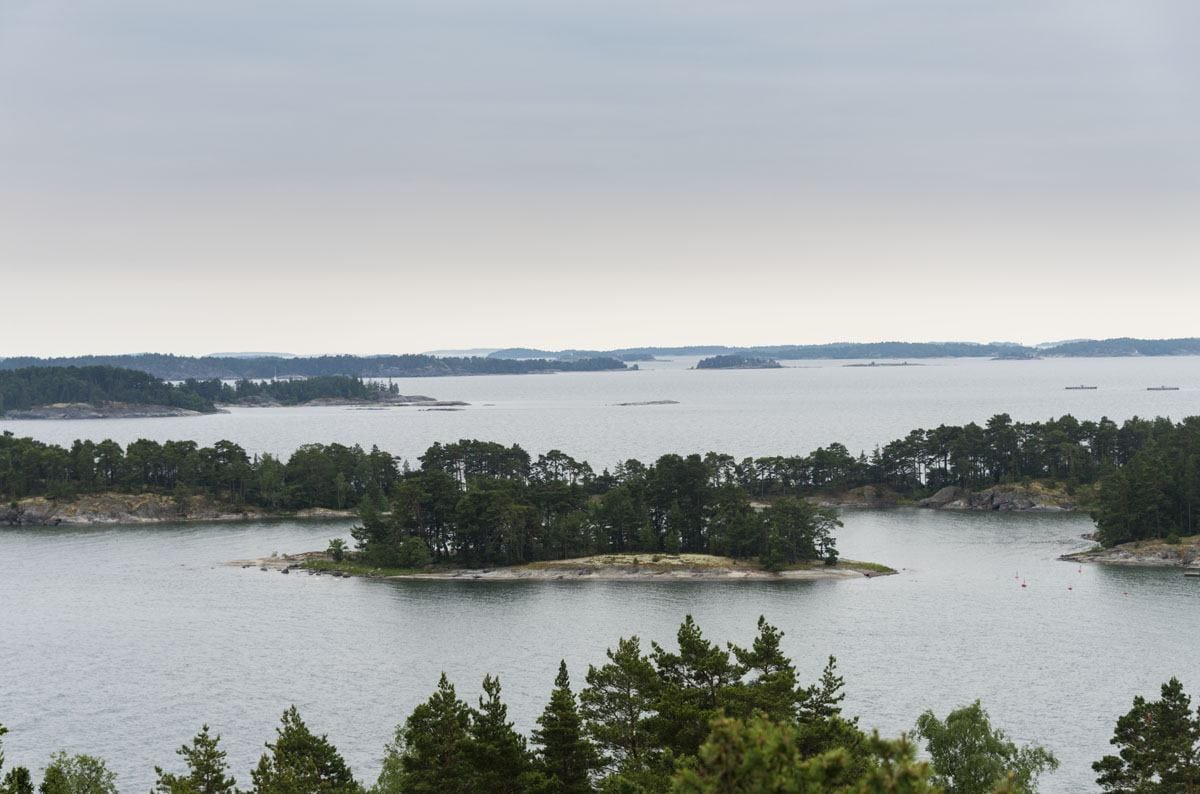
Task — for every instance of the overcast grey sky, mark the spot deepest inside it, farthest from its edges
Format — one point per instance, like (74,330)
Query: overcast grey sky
(388,176)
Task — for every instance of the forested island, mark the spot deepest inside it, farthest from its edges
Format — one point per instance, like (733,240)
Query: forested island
(107,392)
(695,717)
(22,390)
(178,368)
(475,502)
(737,361)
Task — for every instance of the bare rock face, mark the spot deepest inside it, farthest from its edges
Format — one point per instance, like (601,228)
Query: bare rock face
(117,508)
(951,497)
(104,410)
(1005,498)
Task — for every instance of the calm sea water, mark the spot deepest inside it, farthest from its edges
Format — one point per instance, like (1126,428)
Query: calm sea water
(121,641)
(742,412)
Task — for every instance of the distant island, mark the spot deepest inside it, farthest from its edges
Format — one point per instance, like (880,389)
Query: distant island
(177,368)
(1002,351)
(523,361)
(885,364)
(738,361)
(102,392)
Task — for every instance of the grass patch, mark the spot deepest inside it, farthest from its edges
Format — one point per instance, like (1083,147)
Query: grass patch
(357,569)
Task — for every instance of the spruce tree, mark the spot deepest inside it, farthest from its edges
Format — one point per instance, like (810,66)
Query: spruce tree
(431,751)
(498,754)
(300,762)
(17,781)
(206,766)
(566,757)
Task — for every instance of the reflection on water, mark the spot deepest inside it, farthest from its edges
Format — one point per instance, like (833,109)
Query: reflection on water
(121,641)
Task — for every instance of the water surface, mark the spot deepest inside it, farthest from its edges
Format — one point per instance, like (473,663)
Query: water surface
(121,641)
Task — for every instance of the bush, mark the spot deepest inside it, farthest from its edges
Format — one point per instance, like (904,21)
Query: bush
(413,553)
(337,549)
(1173,539)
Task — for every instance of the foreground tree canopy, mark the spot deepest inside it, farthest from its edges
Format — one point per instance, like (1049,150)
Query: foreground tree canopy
(694,718)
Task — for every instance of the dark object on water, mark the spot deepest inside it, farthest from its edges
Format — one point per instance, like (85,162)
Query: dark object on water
(1162,388)
(1082,388)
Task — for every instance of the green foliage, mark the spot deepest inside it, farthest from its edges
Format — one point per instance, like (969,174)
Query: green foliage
(17,781)
(431,750)
(760,755)
(77,774)
(206,768)
(36,386)
(337,549)
(1156,493)
(969,756)
(565,758)
(170,367)
(500,760)
(1158,747)
(617,706)
(299,762)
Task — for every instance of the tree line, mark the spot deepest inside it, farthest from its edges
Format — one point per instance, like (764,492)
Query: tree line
(171,367)
(490,503)
(33,386)
(293,391)
(697,718)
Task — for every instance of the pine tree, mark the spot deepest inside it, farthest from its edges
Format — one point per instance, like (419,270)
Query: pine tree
(823,699)
(431,751)
(566,757)
(498,754)
(206,769)
(617,705)
(1159,745)
(695,683)
(768,676)
(302,763)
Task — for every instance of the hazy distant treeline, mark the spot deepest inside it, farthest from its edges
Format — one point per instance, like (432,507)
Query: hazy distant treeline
(1083,348)
(170,367)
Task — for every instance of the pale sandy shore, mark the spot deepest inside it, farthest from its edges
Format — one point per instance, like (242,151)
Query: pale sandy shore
(600,568)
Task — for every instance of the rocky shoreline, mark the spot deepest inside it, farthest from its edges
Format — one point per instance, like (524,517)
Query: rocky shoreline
(1034,497)
(600,568)
(114,508)
(116,410)
(107,410)
(1145,553)
(390,401)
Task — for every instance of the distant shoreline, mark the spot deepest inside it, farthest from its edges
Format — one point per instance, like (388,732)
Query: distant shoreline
(83,411)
